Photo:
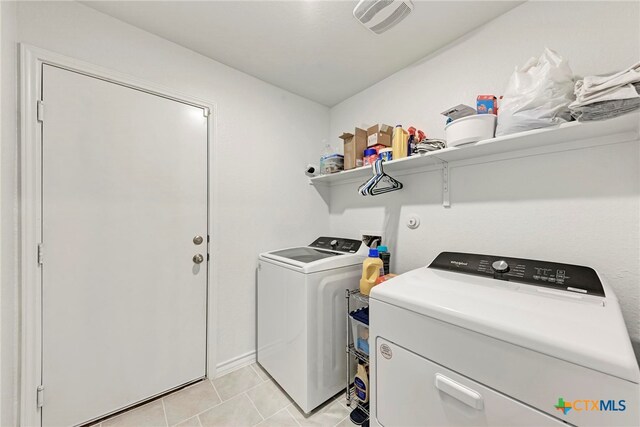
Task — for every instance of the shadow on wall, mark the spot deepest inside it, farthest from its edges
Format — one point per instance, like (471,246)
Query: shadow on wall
(595,173)
(324,191)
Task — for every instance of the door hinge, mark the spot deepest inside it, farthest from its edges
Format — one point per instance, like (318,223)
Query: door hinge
(40,396)
(40,254)
(40,110)
(208,257)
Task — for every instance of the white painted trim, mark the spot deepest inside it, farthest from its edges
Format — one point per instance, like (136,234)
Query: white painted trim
(235,363)
(31,60)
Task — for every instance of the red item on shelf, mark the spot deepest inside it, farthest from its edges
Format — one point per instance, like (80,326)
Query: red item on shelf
(385,278)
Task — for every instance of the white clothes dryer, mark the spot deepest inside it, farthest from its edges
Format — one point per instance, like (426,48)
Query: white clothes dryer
(481,340)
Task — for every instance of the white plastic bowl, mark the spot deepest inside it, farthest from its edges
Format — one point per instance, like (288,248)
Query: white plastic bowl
(470,129)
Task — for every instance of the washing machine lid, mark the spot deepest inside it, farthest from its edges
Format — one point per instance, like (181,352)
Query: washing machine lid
(582,328)
(325,253)
(304,254)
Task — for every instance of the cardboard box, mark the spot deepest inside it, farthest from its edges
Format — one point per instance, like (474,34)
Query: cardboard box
(354,146)
(487,104)
(379,135)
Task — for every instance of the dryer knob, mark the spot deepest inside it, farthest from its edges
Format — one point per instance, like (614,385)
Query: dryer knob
(334,243)
(500,266)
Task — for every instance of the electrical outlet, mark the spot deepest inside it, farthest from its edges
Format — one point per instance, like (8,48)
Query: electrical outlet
(369,237)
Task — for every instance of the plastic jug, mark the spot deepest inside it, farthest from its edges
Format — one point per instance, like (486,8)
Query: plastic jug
(371,270)
(399,142)
(361,382)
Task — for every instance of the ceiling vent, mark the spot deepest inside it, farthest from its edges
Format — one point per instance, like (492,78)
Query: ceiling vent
(381,15)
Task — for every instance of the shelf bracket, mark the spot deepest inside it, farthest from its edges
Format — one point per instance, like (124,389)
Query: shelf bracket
(445,185)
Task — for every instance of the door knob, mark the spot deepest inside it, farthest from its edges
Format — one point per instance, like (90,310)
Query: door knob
(198,258)
(198,240)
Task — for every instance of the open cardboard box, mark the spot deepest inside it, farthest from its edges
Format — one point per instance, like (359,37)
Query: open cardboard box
(354,146)
(379,135)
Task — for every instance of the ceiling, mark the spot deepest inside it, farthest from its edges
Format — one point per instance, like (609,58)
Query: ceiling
(315,49)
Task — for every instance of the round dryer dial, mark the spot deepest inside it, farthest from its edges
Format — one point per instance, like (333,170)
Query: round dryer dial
(500,266)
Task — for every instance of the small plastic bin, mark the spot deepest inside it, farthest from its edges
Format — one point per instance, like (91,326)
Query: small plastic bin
(470,129)
(360,329)
(331,164)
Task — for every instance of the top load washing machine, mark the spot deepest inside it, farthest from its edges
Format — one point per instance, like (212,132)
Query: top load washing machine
(301,320)
(480,340)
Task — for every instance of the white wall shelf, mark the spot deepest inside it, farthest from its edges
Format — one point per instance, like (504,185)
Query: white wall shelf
(567,136)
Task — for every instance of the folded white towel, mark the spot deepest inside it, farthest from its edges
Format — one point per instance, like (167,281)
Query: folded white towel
(619,85)
(591,84)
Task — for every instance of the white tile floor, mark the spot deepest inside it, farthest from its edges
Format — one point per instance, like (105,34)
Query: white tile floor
(246,397)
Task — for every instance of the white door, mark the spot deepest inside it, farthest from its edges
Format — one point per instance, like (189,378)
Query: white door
(124,194)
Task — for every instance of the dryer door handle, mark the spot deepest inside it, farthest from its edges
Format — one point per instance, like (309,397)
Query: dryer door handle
(458,391)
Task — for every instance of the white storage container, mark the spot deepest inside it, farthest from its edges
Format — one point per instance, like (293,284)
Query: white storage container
(331,163)
(360,335)
(470,129)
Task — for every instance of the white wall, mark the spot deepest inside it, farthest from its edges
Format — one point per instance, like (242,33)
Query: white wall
(583,208)
(579,207)
(8,215)
(264,138)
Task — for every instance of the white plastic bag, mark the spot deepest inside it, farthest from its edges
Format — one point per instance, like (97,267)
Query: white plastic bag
(538,95)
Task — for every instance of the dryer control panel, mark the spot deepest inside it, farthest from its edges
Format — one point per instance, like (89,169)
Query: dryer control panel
(564,277)
(337,244)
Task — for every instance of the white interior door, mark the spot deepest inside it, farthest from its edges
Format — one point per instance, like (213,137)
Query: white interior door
(124,194)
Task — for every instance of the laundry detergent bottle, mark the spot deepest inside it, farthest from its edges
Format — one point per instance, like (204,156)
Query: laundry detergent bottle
(361,381)
(372,268)
(399,143)
(385,256)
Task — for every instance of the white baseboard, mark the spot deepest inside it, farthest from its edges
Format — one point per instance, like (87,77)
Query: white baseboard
(235,363)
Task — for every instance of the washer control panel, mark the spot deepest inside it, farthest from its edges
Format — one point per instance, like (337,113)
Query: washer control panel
(337,244)
(565,277)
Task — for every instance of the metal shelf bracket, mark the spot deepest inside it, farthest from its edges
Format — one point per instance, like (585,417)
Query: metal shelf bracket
(445,185)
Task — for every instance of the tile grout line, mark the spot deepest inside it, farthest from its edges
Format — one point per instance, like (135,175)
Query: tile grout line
(212,407)
(201,412)
(216,390)
(197,415)
(249,389)
(245,392)
(345,418)
(191,416)
(164,411)
(286,396)
(256,371)
(254,405)
(290,414)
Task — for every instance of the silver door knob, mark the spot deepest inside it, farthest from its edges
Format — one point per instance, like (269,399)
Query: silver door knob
(198,240)
(198,258)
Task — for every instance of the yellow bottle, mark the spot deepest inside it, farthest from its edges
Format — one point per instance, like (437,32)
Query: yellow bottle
(399,143)
(372,268)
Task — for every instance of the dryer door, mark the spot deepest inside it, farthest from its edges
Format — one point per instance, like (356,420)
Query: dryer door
(412,390)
